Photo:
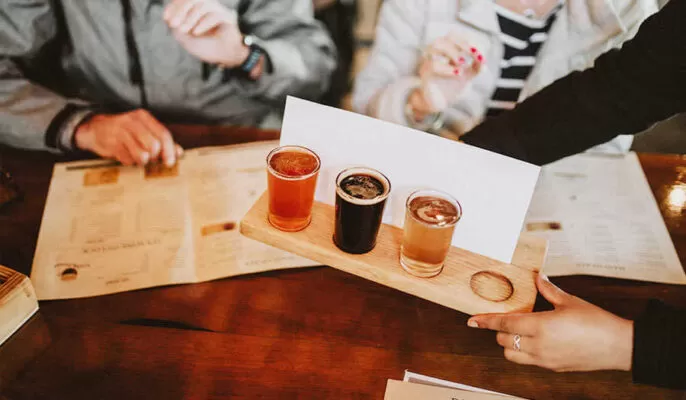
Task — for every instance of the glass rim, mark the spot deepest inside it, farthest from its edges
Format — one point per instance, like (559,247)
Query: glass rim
(287,177)
(441,194)
(385,182)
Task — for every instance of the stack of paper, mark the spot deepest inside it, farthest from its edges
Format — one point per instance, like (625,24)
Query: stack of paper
(419,387)
(17,302)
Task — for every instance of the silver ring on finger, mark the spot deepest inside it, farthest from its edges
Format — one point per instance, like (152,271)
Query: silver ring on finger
(517,343)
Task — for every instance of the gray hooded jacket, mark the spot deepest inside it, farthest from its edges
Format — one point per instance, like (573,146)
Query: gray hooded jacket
(60,60)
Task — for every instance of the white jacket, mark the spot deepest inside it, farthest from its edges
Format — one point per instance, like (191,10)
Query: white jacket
(583,30)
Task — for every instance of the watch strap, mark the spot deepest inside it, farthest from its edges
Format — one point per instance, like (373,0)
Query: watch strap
(253,58)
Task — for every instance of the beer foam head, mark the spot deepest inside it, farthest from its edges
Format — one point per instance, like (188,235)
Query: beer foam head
(434,208)
(362,186)
(293,162)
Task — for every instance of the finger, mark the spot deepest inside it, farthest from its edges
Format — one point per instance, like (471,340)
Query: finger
(146,139)
(507,341)
(519,357)
(181,12)
(209,22)
(447,48)
(171,9)
(143,126)
(179,151)
(556,296)
(522,324)
(444,70)
(122,154)
(138,154)
(168,151)
(193,18)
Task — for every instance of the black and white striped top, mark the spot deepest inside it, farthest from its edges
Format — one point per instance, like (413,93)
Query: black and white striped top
(522,37)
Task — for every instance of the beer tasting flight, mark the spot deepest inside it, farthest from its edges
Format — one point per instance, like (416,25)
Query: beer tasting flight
(361,194)
(358,162)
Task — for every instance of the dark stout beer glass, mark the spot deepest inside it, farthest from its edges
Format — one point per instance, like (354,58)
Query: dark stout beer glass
(361,195)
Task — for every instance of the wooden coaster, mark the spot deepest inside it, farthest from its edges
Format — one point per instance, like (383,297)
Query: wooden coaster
(470,283)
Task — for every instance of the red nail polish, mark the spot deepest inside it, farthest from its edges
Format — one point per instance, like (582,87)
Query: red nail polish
(456,71)
(480,57)
(473,50)
(461,60)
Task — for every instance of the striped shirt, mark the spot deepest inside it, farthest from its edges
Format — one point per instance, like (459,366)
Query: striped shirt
(522,37)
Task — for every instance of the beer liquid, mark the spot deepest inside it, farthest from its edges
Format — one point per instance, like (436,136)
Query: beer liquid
(358,219)
(428,232)
(290,195)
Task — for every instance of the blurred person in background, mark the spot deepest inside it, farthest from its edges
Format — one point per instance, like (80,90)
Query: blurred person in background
(102,76)
(445,65)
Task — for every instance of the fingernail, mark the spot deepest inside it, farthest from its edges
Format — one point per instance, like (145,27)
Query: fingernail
(480,57)
(472,324)
(473,50)
(461,60)
(456,71)
(145,157)
(544,277)
(170,162)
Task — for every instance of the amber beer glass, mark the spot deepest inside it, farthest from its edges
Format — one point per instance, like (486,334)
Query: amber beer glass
(430,219)
(291,181)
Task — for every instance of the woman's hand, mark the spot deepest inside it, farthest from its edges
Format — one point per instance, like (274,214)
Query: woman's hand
(447,67)
(576,336)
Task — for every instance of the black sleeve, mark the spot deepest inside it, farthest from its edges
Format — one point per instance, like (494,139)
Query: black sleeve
(660,347)
(626,92)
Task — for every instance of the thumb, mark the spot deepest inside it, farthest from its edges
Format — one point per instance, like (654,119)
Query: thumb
(556,296)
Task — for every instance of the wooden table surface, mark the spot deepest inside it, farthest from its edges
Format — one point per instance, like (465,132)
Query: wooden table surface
(310,334)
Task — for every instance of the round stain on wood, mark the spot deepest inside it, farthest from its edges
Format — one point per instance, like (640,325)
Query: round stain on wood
(491,286)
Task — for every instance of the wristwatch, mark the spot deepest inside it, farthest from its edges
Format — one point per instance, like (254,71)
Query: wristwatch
(254,56)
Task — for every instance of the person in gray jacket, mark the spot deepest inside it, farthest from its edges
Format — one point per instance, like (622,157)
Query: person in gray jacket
(100,75)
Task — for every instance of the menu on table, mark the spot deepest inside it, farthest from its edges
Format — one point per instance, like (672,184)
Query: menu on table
(108,228)
(600,218)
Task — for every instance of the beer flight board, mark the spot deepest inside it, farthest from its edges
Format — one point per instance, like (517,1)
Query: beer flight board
(470,283)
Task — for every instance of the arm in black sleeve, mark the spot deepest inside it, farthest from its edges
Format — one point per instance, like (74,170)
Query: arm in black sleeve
(660,347)
(626,92)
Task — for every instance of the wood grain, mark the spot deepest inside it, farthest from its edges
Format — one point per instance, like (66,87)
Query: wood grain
(452,288)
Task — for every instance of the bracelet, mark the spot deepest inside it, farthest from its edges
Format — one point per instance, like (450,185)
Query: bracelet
(432,123)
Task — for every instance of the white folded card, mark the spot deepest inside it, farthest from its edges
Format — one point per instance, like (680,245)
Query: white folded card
(493,190)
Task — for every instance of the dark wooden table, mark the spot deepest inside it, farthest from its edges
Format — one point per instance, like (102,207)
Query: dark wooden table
(313,333)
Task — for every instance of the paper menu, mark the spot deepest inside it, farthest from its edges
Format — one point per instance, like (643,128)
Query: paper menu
(413,377)
(493,190)
(398,390)
(600,218)
(108,228)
